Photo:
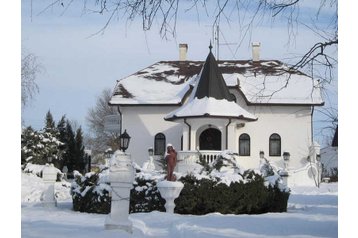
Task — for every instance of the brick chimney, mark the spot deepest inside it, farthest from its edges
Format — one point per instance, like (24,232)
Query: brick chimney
(183,48)
(256,51)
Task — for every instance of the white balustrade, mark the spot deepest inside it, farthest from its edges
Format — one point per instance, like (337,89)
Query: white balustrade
(209,155)
(187,160)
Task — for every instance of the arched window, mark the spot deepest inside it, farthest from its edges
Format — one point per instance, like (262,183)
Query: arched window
(275,145)
(159,144)
(244,145)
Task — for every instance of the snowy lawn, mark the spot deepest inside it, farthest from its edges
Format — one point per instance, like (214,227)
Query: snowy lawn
(312,212)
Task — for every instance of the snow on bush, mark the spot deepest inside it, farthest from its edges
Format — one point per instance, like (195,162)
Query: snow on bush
(32,188)
(91,192)
(37,169)
(225,169)
(38,146)
(221,187)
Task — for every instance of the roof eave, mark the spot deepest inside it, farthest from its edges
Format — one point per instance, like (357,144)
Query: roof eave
(145,104)
(285,104)
(181,103)
(174,118)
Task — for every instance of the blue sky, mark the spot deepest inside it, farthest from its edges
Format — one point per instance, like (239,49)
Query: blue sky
(78,67)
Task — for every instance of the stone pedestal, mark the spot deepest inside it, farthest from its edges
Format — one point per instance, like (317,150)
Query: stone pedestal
(284,176)
(121,175)
(49,176)
(169,191)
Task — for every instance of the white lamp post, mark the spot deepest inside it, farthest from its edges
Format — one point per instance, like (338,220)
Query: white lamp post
(121,176)
(124,140)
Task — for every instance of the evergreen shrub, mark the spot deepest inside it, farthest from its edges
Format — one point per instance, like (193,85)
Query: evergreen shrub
(145,197)
(89,194)
(198,197)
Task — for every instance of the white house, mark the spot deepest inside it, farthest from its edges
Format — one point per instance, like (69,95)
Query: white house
(202,108)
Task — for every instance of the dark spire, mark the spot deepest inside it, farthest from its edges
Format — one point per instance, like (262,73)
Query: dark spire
(210,46)
(211,82)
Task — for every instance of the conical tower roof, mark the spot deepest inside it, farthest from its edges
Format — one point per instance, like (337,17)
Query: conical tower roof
(210,97)
(211,83)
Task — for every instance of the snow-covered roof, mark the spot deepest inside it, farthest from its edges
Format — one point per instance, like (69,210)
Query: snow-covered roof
(210,97)
(210,107)
(262,82)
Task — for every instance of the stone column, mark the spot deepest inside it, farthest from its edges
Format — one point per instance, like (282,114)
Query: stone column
(49,176)
(121,175)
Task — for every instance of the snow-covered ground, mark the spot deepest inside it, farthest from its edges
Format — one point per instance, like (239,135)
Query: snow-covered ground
(312,212)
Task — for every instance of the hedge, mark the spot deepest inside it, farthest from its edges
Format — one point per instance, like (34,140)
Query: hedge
(198,197)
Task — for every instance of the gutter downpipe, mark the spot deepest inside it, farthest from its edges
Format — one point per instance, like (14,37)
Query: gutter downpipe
(312,124)
(227,136)
(189,126)
(120,120)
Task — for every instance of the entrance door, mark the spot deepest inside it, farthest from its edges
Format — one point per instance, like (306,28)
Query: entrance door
(210,139)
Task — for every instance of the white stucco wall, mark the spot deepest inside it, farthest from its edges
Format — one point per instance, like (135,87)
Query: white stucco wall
(143,123)
(292,123)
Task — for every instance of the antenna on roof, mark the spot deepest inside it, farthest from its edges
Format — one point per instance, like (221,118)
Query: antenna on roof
(216,37)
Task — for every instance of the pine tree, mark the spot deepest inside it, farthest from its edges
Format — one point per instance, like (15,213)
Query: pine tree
(69,156)
(38,146)
(79,151)
(27,142)
(61,128)
(49,122)
(54,150)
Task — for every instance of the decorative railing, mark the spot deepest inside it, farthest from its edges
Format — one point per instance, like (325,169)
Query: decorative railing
(187,160)
(208,155)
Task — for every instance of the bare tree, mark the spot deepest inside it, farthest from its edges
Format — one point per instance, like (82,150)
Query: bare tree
(30,68)
(246,13)
(328,117)
(100,140)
